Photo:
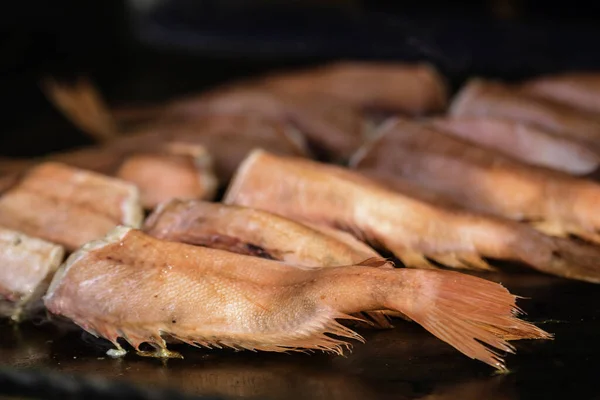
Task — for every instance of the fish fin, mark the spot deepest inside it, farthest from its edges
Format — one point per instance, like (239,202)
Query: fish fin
(396,314)
(474,315)
(474,261)
(449,260)
(82,104)
(379,319)
(412,259)
(466,261)
(318,336)
(550,228)
(376,262)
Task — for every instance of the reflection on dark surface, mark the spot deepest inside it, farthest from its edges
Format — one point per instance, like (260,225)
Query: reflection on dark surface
(403,363)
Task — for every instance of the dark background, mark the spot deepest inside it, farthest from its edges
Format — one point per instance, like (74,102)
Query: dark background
(179,46)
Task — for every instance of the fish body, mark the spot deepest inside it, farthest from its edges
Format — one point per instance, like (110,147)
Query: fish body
(182,172)
(226,138)
(259,233)
(480,98)
(27,266)
(68,206)
(522,142)
(147,290)
(255,232)
(579,90)
(329,125)
(407,187)
(480,180)
(414,230)
(196,120)
(399,88)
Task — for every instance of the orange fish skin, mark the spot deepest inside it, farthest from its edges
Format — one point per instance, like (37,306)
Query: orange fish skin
(391,87)
(68,206)
(556,203)
(407,187)
(248,231)
(227,138)
(331,126)
(26,267)
(182,120)
(481,98)
(184,174)
(216,133)
(522,142)
(141,288)
(411,228)
(259,233)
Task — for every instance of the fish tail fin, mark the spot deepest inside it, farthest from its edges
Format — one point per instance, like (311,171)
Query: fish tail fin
(82,104)
(474,315)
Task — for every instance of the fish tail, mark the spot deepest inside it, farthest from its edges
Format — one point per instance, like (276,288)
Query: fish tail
(476,316)
(82,104)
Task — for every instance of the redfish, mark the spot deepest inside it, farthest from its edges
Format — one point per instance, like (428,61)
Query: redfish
(69,206)
(27,266)
(259,233)
(183,171)
(481,98)
(523,142)
(415,89)
(331,127)
(255,232)
(579,90)
(148,290)
(555,203)
(414,230)
(227,134)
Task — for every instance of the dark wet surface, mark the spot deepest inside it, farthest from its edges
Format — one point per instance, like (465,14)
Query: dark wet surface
(403,363)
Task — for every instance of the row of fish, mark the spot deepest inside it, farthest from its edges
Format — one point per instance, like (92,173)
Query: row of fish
(293,248)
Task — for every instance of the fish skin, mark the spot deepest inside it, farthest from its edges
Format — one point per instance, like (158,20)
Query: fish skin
(227,138)
(68,206)
(27,265)
(333,127)
(329,125)
(213,298)
(411,228)
(408,187)
(579,90)
(259,233)
(150,167)
(522,142)
(556,203)
(216,131)
(184,172)
(482,98)
(414,89)
(203,223)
